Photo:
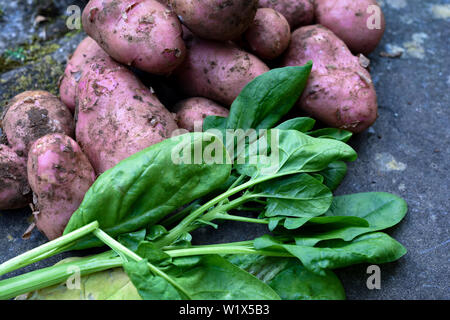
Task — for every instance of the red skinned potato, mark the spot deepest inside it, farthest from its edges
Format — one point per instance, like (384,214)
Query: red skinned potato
(87,51)
(117,116)
(269,34)
(14,188)
(59,175)
(191,112)
(141,33)
(33,114)
(217,71)
(339,91)
(297,12)
(360,24)
(220,20)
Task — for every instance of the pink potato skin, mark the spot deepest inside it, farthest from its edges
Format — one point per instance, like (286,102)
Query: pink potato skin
(339,91)
(348,19)
(141,33)
(14,189)
(217,71)
(219,20)
(87,51)
(117,116)
(59,175)
(191,112)
(269,34)
(33,114)
(297,12)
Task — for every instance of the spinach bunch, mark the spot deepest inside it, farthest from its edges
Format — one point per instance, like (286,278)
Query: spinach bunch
(146,207)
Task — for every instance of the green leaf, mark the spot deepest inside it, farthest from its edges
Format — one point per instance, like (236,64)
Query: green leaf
(215,122)
(154,232)
(214,278)
(296,152)
(144,188)
(334,174)
(302,124)
(131,240)
(266,99)
(374,248)
(149,286)
(332,133)
(290,279)
(153,254)
(298,195)
(381,210)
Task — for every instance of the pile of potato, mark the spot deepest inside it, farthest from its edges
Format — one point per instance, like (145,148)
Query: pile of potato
(208,50)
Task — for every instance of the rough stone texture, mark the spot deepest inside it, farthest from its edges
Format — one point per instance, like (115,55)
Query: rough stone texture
(406,152)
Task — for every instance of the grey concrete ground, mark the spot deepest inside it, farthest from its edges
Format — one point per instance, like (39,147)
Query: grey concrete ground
(406,152)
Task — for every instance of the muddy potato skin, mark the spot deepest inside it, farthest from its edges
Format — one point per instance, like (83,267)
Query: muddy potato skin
(59,175)
(14,189)
(191,112)
(217,71)
(297,12)
(339,91)
(33,114)
(117,116)
(216,19)
(348,19)
(87,51)
(141,33)
(269,34)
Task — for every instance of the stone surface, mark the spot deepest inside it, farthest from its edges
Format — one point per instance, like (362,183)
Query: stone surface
(406,152)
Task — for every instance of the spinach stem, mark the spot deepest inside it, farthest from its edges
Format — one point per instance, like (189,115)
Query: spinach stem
(121,249)
(46,277)
(222,216)
(46,250)
(221,250)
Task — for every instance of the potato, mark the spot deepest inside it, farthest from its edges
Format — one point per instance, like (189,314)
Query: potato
(141,33)
(33,114)
(14,188)
(217,71)
(297,12)
(339,91)
(216,19)
(350,21)
(59,175)
(117,116)
(269,34)
(87,51)
(191,112)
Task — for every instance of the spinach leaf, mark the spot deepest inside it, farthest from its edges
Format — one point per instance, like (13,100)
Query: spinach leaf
(296,196)
(326,222)
(149,286)
(374,247)
(381,209)
(290,279)
(131,240)
(212,277)
(144,188)
(295,152)
(215,123)
(302,124)
(266,99)
(334,174)
(332,133)
(208,277)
